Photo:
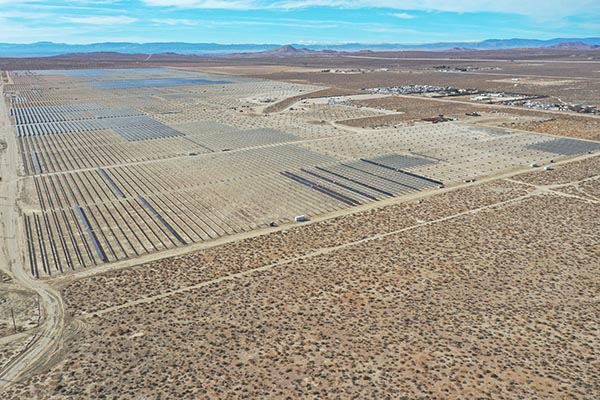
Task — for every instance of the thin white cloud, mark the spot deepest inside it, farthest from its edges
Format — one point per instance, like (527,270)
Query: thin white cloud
(26,15)
(279,23)
(57,3)
(403,15)
(174,21)
(533,8)
(102,20)
(18,33)
(384,29)
(16,3)
(208,4)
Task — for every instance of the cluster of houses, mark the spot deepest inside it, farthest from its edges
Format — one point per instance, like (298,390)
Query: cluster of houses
(441,91)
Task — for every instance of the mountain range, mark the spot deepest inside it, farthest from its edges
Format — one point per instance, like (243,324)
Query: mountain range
(51,49)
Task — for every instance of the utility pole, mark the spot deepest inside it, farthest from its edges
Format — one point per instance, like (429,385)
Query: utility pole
(12,313)
(39,310)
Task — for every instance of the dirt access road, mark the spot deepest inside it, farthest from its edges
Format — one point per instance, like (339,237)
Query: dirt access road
(49,337)
(48,340)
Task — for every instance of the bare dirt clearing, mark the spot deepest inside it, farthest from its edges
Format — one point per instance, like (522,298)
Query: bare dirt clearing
(20,304)
(583,129)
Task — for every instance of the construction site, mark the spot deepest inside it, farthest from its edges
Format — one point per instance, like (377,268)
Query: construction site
(263,236)
(111,175)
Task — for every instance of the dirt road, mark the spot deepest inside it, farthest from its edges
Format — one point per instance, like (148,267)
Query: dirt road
(48,338)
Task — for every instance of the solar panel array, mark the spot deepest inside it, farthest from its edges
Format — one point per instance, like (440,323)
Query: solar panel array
(239,139)
(129,123)
(154,83)
(565,147)
(128,171)
(202,127)
(360,181)
(399,161)
(140,128)
(67,112)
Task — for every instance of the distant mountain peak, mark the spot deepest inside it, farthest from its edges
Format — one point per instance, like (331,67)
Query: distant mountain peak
(283,51)
(577,45)
(459,49)
(288,50)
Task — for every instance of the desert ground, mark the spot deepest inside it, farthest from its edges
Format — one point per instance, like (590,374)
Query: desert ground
(345,226)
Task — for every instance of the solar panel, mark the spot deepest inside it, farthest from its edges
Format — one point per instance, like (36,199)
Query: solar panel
(91,233)
(162,220)
(112,183)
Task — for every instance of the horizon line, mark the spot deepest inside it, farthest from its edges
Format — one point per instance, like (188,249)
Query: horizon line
(305,44)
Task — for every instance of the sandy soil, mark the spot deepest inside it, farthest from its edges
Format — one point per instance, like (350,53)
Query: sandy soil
(166,275)
(282,105)
(11,348)
(487,291)
(414,109)
(24,307)
(583,90)
(577,171)
(576,128)
(467,294)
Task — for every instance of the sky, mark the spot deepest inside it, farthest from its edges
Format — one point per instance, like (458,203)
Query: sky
(291,21)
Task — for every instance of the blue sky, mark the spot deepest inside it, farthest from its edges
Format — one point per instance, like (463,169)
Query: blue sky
(302,21)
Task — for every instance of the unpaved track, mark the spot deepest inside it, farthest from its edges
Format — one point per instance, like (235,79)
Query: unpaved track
(49,336)
(539,190)
(315,253)
(60,281)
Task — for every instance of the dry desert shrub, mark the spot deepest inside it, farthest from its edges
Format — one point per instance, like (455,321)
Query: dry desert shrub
(483,305)
(176,272)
